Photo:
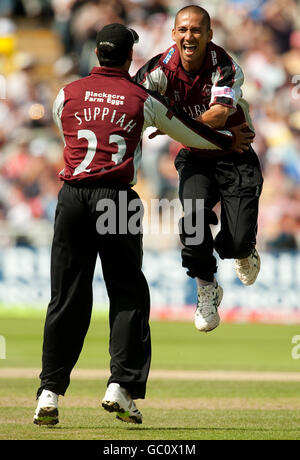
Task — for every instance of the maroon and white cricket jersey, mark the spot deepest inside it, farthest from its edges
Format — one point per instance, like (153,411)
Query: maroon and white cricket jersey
(102,118)
(219,81)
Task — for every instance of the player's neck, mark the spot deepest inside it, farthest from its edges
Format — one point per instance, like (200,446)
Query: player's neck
(125,67)
(193,66)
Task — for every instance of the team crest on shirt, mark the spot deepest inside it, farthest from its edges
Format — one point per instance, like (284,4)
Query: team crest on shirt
(206,91)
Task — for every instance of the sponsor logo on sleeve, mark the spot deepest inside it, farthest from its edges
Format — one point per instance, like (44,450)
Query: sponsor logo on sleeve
(169,55)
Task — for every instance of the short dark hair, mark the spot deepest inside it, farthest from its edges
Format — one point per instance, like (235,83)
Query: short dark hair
(108,62)
(114,43)
(197,9)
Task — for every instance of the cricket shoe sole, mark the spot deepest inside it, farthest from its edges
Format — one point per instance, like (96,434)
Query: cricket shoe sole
(118,400)
(46,416)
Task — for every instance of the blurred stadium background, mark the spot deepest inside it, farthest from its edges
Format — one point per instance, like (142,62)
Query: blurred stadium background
(45,44)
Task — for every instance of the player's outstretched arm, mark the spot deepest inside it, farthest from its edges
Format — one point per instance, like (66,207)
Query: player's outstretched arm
(183,129)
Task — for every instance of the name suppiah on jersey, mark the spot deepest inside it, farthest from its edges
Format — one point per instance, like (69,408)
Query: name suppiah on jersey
(92,114)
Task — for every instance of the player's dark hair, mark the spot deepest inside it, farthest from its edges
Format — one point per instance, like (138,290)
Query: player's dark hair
(197,9)
(107,62)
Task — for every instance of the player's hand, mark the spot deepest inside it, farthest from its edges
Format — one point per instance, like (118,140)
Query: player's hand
(155,133)
(243,138)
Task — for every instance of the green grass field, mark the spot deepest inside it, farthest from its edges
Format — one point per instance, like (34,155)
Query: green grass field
(179,408)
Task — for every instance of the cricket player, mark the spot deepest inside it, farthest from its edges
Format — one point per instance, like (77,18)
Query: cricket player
(102,118)
(202,79)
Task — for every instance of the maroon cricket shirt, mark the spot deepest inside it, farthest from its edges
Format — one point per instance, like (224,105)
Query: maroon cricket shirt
(102,118)
(218,81)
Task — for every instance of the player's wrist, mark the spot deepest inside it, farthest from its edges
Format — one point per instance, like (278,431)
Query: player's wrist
(233,139)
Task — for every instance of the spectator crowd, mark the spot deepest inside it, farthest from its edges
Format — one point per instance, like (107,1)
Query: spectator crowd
(262,35)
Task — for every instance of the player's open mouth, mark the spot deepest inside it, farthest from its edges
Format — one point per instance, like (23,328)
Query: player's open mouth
(189,49)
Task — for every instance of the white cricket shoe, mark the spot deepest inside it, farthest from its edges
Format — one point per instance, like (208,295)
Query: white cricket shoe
(206,315)
(46,412)
(118,400)
(247,269)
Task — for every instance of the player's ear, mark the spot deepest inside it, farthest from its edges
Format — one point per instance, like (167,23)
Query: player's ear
(210,34)
(173,35)
(96,52)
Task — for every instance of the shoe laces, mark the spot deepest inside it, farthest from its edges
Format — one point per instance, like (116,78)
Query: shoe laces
(244,263)
(248,262)
(207,299)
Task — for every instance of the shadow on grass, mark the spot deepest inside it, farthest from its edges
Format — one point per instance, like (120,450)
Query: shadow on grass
(213,429)
(138,429)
